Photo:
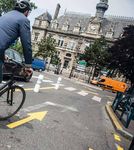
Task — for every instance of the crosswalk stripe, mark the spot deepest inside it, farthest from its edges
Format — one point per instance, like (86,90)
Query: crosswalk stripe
(96,98)
(70,89)
(82,93)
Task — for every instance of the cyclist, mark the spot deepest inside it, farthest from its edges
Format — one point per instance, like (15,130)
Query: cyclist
(15,24)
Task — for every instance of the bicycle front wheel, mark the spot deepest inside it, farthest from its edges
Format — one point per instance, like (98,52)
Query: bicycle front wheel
(11,100)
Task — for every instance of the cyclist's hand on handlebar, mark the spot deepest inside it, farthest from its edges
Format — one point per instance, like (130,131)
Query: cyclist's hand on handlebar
(28,70)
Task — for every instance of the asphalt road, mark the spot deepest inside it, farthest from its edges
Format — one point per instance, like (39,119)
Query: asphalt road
(76,119)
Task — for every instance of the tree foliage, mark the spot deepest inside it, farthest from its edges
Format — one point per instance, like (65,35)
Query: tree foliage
(96,55)
(18,47)
(47,47)
(122,54)
(97,52)
(7,5)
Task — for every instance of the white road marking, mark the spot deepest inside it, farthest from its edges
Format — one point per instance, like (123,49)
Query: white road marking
(96,98)
(38,106)
(21,85)
(62,106)
(47,81)
(59,84)
(70,89)
(83,93)
(4,82)
(36,77)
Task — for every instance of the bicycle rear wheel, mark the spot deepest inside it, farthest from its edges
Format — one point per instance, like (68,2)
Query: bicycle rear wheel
(11,100)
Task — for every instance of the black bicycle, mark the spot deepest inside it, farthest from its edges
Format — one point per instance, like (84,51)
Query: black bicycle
(12,96)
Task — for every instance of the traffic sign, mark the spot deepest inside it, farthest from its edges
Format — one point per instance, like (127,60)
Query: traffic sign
(81,66)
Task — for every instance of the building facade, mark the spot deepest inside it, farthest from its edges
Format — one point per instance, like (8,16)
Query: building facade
(74,31)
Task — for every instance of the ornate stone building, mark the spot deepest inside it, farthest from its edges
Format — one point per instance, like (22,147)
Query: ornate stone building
(74,31)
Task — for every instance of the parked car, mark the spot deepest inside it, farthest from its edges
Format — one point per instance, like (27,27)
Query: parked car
(20,71)
(39,64)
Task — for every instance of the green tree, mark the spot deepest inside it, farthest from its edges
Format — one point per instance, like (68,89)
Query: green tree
(7,5)
(55,59)
(47,47)
(96,54)
(122,54)
(18,47)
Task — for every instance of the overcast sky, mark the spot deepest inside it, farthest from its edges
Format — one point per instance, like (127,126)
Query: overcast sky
(116,7)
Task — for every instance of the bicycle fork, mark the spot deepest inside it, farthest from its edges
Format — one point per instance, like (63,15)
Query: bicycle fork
(10,96)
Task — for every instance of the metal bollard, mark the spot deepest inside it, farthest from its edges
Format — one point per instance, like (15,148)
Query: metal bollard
(37,85)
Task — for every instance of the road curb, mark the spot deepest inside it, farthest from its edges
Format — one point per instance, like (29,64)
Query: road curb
(116,123)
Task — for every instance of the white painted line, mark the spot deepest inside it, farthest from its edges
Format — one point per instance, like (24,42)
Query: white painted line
(70,89)
(82,93)
(58,84)
(62,106)
(47,81)
(3,82)
(35,107)
(36,77)
(21,85)
(96,98)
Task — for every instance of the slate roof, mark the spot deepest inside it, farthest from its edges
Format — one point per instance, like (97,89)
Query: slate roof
(45,16)
(73,19)
(116,22)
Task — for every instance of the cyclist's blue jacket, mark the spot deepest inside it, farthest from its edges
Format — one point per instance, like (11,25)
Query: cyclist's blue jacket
(15,24)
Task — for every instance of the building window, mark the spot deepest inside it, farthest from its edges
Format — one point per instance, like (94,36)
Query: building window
(71,45)
(109,34)
(68,55)
(40,22)
(60,42)
(36,36)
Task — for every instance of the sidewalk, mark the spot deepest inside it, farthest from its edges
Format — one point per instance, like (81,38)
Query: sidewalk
(126,132)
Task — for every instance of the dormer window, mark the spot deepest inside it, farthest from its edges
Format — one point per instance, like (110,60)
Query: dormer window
(40,22)
(77,28)
(54,24)
(109,34)
(65,26)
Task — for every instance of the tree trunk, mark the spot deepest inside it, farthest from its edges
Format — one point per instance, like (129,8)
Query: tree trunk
(90,72)
(94,71)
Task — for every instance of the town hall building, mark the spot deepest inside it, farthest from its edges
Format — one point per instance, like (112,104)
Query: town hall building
(74,31)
